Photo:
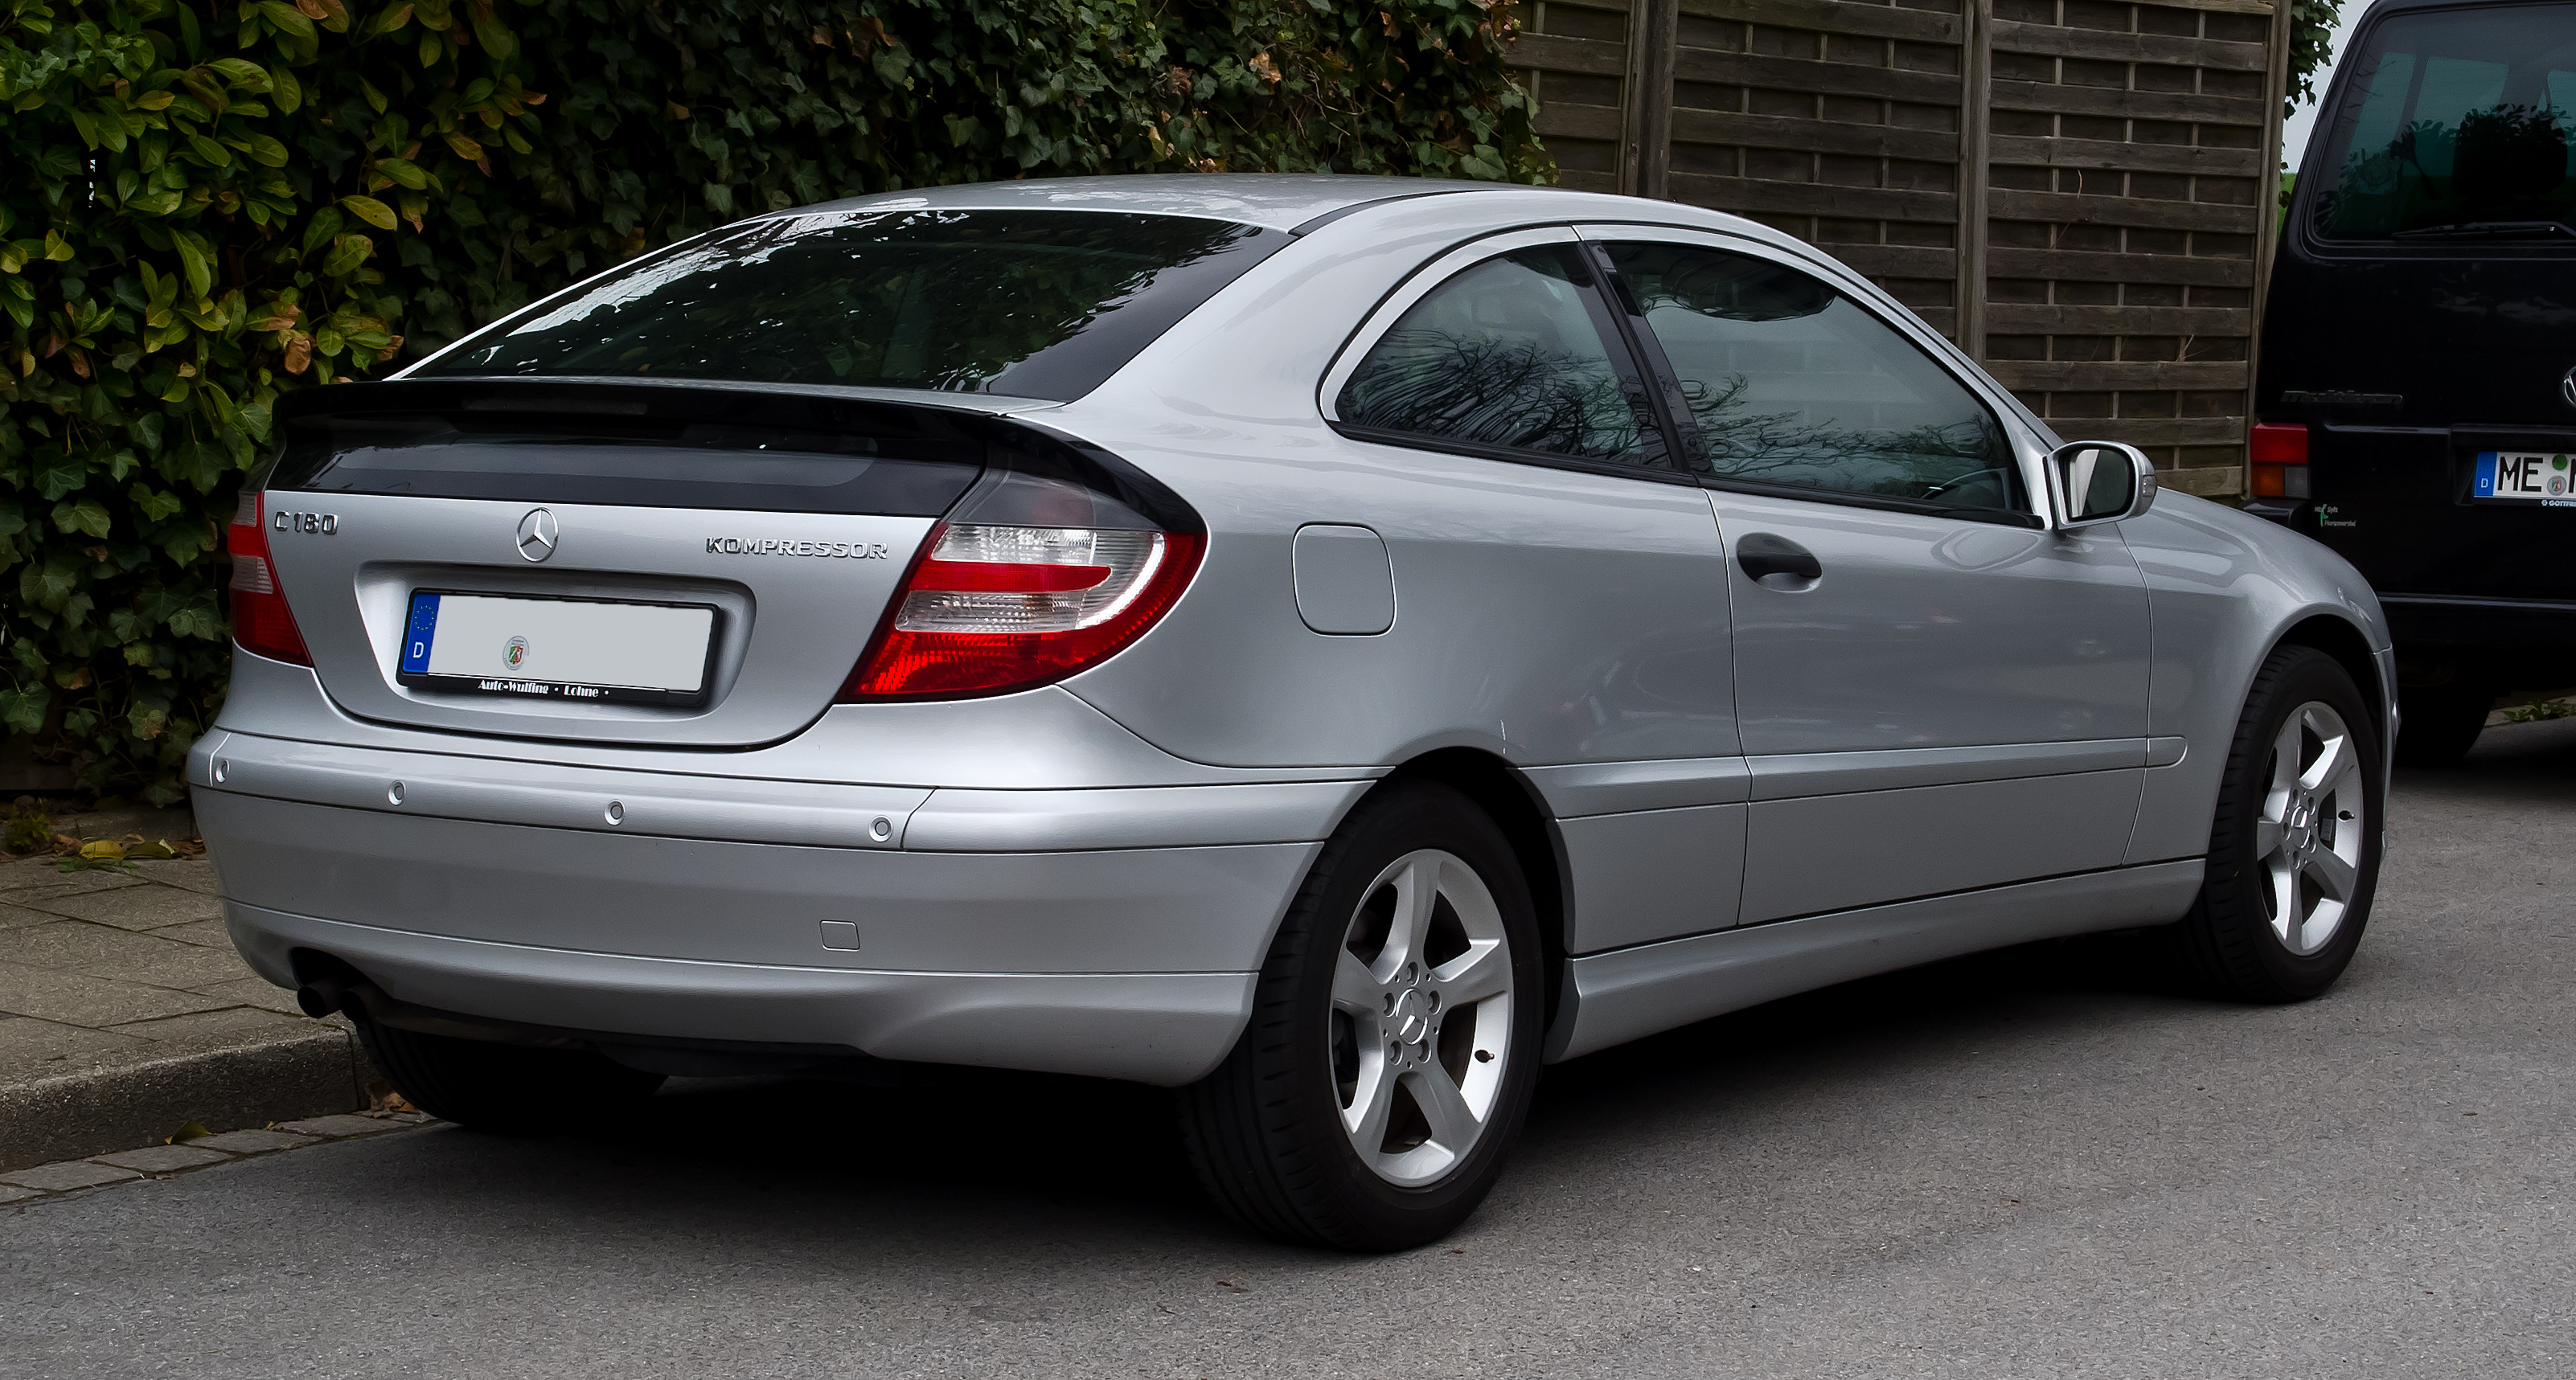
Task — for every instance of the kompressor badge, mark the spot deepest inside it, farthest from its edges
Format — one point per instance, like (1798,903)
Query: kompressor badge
(752,546)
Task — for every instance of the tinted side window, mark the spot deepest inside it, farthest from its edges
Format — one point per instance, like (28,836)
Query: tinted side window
(1790,382)
(1512,352)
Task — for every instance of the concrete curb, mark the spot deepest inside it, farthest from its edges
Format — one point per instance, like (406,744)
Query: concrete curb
(223,1081)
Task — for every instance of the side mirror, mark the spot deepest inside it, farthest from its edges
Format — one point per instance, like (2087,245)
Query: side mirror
(2094,482)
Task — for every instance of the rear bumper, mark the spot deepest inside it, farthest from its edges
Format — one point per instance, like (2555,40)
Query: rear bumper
(1014,929)
(2419,621)
(1164,1028)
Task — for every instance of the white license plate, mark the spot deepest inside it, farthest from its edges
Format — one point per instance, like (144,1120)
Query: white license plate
(562,649)
(2547,478)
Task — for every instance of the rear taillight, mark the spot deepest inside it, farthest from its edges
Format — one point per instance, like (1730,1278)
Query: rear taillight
(995,608)
(2278,453)
(262,624)
(1060,556)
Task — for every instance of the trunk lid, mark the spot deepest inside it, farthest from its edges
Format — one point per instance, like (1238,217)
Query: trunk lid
(775,524)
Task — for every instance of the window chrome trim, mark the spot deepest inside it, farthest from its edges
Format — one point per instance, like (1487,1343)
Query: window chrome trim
(1544,459)
(2003,517)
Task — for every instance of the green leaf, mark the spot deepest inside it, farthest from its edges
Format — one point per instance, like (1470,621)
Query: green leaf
(48,585)
(24,710)
(370,210)
(287,18)
(197,620)
(496,38)
(243,75)
(319,231)
(347,252)
(61,475)
(154,504)
(87,515)
(405,173)
(289,92)
(195,262)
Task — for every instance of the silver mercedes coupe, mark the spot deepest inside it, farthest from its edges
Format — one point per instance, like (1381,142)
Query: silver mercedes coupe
(1326,645)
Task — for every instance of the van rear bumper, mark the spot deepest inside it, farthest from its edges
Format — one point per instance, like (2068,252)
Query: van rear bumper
(2460,621)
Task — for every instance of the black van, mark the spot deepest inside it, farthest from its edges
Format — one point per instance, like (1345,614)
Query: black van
(2415,399)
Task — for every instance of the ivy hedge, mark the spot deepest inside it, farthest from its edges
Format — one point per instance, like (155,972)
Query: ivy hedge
(204,203)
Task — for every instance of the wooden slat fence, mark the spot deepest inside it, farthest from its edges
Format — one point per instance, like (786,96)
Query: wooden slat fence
(2074,190)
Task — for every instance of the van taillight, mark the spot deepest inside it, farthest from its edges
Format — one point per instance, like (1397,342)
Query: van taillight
(262,624)
(2278,454)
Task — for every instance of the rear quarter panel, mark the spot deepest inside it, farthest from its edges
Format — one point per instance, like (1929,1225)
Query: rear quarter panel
(1547,615)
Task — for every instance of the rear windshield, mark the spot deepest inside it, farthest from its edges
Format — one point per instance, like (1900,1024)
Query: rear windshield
(1033,304)
(2457,126)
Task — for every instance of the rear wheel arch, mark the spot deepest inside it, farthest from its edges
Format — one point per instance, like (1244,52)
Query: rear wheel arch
(1515,805)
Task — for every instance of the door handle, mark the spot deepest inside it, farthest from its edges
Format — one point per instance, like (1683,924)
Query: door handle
(1777,562)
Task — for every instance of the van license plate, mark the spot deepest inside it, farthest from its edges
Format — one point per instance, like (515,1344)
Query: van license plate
(584,650)
(2524,476)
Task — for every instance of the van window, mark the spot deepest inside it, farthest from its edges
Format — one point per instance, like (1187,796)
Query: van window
(2457,125)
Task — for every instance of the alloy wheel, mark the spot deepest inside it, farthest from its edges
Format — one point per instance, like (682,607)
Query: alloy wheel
(2308,839)
(1420,1036)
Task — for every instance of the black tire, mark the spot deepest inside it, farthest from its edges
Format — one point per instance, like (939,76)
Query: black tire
(1265,1130)
(2228,941)
(2438,724)
(513,1089)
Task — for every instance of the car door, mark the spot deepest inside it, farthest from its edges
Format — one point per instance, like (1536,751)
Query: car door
(1565,551)
(1935,691)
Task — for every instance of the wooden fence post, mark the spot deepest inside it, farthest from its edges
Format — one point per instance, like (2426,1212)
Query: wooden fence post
(2275,219)
(1646,152)
(1976,121)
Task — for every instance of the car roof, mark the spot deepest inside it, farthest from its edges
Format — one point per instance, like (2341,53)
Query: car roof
(1278,201)
(1300,202)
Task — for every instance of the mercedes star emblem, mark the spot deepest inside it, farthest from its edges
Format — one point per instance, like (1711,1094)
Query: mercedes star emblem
(537,535)
(2567,388)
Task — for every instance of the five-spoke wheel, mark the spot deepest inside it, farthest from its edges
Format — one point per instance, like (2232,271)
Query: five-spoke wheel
(1394,1034)
(2309,838)
(1421,1027)
(2294,841)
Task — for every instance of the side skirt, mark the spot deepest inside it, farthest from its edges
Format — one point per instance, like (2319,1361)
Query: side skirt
(1627,994)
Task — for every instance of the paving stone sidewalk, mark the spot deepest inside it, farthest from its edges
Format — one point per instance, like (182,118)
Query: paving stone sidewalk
(125,1014)
(202,1152)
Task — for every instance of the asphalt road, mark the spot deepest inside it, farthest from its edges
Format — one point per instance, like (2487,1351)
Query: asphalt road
(2032,1164)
